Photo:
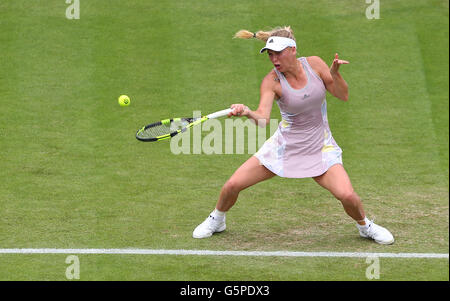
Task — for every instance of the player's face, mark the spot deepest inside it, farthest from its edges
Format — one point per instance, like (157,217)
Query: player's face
(282,60)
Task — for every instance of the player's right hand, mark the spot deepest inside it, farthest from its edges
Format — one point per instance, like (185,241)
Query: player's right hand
(239,110)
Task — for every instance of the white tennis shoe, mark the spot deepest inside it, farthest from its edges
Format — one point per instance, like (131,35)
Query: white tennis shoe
(379,234)
(210,226)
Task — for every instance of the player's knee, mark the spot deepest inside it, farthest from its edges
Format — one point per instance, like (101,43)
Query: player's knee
(232,186)
(346,195)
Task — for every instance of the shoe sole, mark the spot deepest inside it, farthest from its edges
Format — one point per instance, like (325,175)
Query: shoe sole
(385,243)
(379,241)
(218,231)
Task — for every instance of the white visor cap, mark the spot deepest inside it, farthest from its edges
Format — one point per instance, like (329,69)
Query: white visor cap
(278,44)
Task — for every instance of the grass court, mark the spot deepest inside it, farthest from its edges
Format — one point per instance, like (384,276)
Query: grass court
(74,176)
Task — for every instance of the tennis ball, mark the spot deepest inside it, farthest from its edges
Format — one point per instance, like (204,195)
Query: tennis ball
(124,100)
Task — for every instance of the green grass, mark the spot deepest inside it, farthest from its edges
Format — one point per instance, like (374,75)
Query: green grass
(74,176)
(204,268)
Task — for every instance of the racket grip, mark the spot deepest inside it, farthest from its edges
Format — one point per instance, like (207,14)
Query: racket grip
(219,114)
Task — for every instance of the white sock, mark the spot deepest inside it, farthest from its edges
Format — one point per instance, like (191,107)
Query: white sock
(218,215)
(366,220)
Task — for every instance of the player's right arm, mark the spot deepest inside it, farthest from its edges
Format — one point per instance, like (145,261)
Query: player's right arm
(260,116)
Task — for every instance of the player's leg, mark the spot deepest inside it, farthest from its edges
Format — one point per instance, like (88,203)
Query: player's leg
(248,174)
(337,181)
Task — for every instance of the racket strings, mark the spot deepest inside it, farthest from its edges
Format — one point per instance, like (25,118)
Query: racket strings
(163,130)
(156,131)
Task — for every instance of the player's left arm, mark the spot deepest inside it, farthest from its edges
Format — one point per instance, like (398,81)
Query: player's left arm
(332,79)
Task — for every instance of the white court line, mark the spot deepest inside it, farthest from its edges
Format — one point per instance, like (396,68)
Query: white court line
(222,253)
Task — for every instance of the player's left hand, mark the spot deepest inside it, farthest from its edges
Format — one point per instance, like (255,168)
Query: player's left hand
(336,64)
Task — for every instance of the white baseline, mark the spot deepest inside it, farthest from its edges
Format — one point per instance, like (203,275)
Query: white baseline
(222,253)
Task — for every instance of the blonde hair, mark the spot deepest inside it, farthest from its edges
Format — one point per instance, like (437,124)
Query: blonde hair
(285,32)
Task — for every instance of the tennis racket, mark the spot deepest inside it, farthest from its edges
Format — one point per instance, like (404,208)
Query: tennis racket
(167,128)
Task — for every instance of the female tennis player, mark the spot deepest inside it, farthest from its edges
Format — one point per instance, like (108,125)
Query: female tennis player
(302,146)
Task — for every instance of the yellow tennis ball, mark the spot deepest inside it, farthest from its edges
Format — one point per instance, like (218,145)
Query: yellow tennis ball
(124,100)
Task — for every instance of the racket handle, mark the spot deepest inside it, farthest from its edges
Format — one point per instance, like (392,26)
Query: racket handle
(219,114)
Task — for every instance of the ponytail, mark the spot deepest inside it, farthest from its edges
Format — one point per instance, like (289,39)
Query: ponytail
(285,32)
(260,35)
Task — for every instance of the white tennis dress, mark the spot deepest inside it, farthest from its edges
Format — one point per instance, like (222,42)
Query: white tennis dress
(302,146)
